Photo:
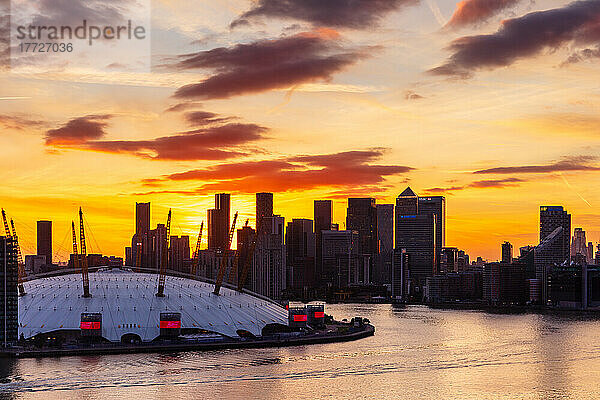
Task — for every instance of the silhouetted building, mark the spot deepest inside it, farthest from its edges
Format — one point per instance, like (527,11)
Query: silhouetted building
(210,262)
(400,275)
(507,252)
(342,260)
(269,272)
(300,254)
(436,205)
(385,236)
(142,218)
(35,264)
(264,209)
(9,313)
(449,260)
(218,222)
(362,217)
(179,254)
(547,254)
(505,283)
(455,286)
(323,214)
(44,240)
(565,286)
(552,217)
(579,243)
(416,233)
(245,239)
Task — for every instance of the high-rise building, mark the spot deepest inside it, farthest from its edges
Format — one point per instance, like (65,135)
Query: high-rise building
(323,214)
(142,218)
(578,243)
(436,205)
(264,209)
(507,253)
(179,254)
(218,222)
(416,234)
(449,260)
(590,253)
(44,240)
(300,253)
(552,217)
(362,217)
(342,260)
(550,252)
(385,236)
(400,275)
(598,255)
(268,275)
(9,313)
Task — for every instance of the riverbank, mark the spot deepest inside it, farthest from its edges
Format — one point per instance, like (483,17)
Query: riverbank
(352,333)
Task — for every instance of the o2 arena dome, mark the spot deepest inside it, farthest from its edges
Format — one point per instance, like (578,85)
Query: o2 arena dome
(123,304)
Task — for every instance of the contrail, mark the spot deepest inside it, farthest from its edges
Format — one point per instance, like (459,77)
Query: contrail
(435,9)
(572,188)
(14,98)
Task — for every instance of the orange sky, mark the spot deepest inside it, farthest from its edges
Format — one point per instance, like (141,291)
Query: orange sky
(314,107)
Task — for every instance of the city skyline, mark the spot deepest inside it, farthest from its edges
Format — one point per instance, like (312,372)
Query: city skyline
(399,104)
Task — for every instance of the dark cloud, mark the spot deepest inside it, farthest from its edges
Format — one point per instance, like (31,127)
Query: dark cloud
(200,118)
(183,106)
(18,122)
(73,12)
(484,184)
(347,171)
(4,34)
(526,36)
(268,64)
(581,163)
(353,14)
(470,12)
(583,55)
(78,130)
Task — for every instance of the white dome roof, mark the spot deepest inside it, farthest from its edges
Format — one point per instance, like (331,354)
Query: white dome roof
(128,304)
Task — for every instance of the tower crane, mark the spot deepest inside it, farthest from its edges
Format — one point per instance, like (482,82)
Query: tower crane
(223,266)
(75,252)
(84,262)
(164,260)
(196,260)
(20,265)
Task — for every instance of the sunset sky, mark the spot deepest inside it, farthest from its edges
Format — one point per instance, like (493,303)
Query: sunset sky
(493,103)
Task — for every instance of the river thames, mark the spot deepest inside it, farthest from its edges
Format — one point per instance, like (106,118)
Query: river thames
(416,353)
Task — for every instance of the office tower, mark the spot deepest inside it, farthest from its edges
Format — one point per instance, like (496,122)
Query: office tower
(598,255)
(507,252)
(128,259)
(590,253)
(342,260)
(549,253)
(142,218)
(264,209)
(578,242)
(268,275)
(362,217)
(436,205)
(416,234)
(218,222)
(179,253)
(462,261)
(449,260)
(245,237)
(44,240)
(323,214)
(400,275)
(385,236)
(552,217)
(300,253)
(9,315)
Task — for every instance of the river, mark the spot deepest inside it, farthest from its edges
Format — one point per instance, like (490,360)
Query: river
(416,353)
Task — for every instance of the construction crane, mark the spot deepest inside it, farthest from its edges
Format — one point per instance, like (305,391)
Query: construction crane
(164,259)
(20,265)
(196,259)
(247,262)
(75,252)
(84,262)
(223,266)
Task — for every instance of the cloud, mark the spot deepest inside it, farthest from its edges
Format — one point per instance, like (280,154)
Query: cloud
(19,123)
(219,142)
(410,95)
(583,55)
(345,171)
(268,64)
(470,12)
(484,184)
(199,118)
(579,163)
(183,106)
(526,36)
(78,130)
(73,12)
(352,14)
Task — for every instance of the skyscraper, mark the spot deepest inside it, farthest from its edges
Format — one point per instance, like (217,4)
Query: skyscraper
(416,234)
(218,222)
(44,240)
(436,205)
(579,243)
(300,253)
(323,214)
(507,253)
(8,292)
(142,218)
(264,209)
(362,217)
(179,253)
(341,258)
(552,217)
(385,236)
